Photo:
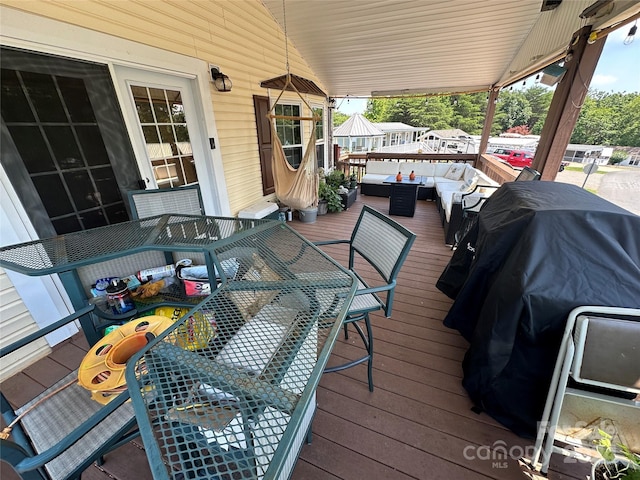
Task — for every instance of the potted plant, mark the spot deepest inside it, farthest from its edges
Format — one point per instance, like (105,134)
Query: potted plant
(328,199)
(624,466)
(353,181)
(336,178)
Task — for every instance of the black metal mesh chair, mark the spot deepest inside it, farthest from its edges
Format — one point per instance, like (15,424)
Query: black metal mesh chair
(384,244)
(62,431)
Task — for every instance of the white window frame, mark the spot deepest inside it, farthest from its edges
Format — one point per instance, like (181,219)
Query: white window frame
(287,103)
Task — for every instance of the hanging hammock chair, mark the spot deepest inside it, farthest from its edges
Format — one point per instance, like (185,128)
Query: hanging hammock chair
(296,188)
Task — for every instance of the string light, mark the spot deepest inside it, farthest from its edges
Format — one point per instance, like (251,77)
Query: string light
(631,34)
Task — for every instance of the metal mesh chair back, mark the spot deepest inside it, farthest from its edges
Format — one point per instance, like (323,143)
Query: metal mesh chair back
(149,203)
(381,241)
(527,174)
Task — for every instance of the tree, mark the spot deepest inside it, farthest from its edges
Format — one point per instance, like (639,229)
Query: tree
(617,156)
(376,110)
(520,130)
(629,127)
(437,113)
(539,100)
(513,109)
(339,118)
(468,112)
(594,125)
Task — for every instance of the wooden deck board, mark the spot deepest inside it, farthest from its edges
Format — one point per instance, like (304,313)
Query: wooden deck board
(418,422)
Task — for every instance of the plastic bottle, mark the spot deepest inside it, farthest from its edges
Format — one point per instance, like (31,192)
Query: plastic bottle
(412,176)
(118,297)
(399,177)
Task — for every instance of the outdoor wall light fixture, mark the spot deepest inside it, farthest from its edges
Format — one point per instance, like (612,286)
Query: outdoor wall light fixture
(220,80)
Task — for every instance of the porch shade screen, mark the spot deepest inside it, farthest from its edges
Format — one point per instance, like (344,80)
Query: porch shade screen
(296,188)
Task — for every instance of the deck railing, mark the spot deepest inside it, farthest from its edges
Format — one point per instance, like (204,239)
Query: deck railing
(495,169)
(355,163)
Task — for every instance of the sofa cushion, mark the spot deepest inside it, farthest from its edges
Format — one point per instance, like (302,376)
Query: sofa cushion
(375,178)
(469,184)
(455,172)
(383,168)
(424,169)
(469,173)
(443,185)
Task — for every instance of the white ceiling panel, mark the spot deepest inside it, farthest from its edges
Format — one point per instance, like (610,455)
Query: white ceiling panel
(393,47)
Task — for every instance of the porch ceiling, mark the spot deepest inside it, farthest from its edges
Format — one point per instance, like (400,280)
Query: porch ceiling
(361,48)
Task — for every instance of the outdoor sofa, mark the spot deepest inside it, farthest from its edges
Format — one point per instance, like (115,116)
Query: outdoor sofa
(444,183)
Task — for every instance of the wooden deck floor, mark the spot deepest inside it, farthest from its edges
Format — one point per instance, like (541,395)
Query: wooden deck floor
(418,422)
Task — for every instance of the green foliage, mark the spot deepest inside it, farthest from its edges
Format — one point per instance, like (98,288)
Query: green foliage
(469,112)
(617,156)
(609,119)
(336,178)
(539,99)
(605,118)
(330,194)
(608,451)
(513,110)
(339,118)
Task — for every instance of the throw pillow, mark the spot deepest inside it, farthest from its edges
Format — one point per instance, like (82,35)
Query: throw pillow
(469,184)
(455,172)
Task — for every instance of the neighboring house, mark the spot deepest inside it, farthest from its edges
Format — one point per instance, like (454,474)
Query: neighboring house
(100,98)
(398,133)
(588,154)
(513,141)
(452,140)
(358,134)
(633,156)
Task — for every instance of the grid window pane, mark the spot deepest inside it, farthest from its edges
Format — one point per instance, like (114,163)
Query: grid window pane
(13,102)
(32,148)
(64,147)
(76,99)
(44,96)
(83,194)
(143,105)
(53,194)
(166,136)
(290,133)
(92,145)
(160,107)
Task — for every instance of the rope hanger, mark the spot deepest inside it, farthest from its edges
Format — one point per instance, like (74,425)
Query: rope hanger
(288,83)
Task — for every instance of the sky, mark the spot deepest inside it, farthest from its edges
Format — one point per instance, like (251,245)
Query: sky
(618,70)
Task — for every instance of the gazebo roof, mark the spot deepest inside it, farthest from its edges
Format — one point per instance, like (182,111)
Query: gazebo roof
(357,126)
(397,127)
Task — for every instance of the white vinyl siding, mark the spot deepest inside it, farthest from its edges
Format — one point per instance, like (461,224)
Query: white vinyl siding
(15,323)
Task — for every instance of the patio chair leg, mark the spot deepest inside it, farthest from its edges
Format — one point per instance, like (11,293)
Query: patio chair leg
(370,351)
(346,332)
(368,343)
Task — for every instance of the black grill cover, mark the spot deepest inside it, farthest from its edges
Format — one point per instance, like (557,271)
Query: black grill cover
(542,249)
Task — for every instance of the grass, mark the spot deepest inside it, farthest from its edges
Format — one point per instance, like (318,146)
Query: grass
(579,169)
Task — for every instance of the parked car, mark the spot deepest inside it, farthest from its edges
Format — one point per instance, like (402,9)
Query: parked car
(515,158)
(519,158)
